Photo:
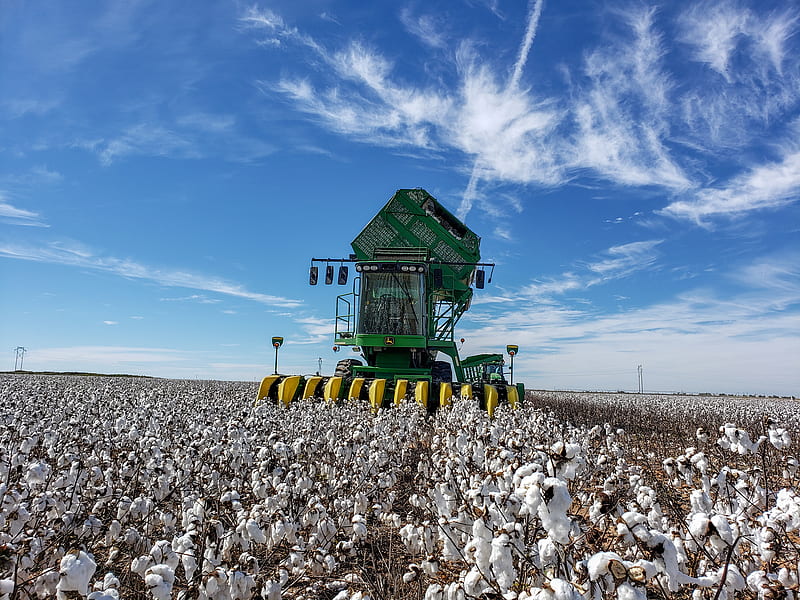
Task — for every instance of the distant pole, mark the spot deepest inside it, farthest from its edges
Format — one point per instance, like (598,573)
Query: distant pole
(19,357)
(319,365)
(641,382)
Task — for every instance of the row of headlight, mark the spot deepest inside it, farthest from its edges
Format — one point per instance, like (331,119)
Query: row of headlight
(391,267)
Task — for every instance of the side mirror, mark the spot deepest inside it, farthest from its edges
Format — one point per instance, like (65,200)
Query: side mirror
(329,275)
(480,279)
(313,275)
(342,279)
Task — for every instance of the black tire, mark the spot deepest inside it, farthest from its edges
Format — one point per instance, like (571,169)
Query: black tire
(441,371)
(344,368)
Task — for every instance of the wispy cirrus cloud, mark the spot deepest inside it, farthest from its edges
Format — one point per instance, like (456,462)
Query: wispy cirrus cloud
(511,134)
(427,28)
(80,256)
(614,263)
(623,113)
(719,32)
(750,81)
(627,118)
(717,342)
(18,216)
(192,136)
(764,186)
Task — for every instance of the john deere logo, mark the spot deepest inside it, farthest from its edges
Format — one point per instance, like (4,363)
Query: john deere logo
(388,341)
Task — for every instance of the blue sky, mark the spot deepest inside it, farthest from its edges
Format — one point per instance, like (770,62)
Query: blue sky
(168,169)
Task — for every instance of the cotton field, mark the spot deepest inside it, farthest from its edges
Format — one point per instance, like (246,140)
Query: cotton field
(137,489)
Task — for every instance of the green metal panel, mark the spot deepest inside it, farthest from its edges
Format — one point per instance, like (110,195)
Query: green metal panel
(415,219)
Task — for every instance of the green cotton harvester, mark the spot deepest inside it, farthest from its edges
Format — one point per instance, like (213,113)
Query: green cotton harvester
(415,267)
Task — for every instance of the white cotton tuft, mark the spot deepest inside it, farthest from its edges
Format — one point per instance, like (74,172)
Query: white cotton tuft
(553,511)
(271,590)
(779,437)
(255,533)
(502,562)
(627,591)
(159,580)
(76,570)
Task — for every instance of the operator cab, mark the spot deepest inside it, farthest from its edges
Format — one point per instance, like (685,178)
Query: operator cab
(494,373)
(391,299)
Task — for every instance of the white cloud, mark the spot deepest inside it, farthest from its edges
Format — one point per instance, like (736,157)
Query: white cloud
(717,30)
(713,28)
(697,342)
(614,263)
(110,323)
(18,216)
(426,28)
(200,298)
(625,118)
(626,258)
(80,256)
(762,187)
(149,140)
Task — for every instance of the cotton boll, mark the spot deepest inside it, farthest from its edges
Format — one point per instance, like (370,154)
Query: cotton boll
(553,511)
(359,524)
(430,566)
(598,565)
(271,590)
(474,584)
(104,595)
(790,467)
(502,562)
(254,532)
(76,570)
(433,592)
(241,585)
(627,591)
(162,552)
(38,473)
(159,580)
(779,437)
(140,564)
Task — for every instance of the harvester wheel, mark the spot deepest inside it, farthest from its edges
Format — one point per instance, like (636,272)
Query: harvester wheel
(344,368)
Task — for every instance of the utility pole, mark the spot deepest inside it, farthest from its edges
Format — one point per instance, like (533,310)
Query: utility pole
(641,382)
(19,356)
